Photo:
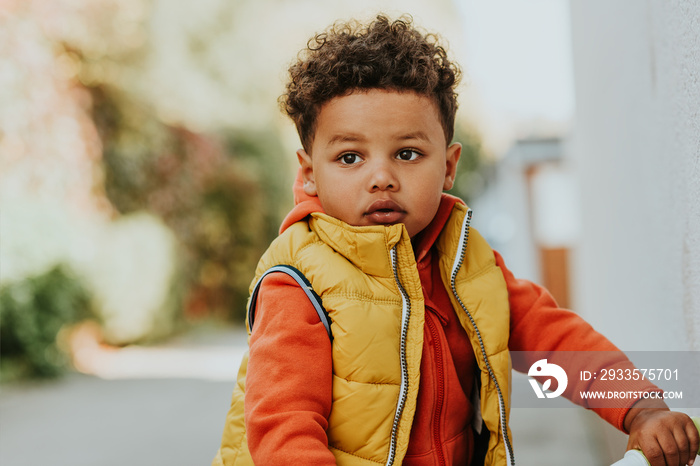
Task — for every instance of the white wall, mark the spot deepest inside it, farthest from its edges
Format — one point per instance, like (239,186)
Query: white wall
(636,150)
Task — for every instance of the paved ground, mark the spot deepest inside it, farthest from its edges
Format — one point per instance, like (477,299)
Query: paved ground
(128,417)
(86,421)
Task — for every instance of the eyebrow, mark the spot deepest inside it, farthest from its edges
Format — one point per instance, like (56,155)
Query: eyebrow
(341,138)
(419,135)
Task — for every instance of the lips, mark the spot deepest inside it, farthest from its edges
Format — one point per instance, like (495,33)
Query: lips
(385,212)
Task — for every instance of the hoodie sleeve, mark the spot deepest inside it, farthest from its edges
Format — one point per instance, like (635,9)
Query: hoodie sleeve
(288,387)
(539,326)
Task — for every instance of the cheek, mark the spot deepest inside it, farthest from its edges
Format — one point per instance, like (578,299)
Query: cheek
(336,198)
(331,188)
(429,198)
(427,206)
(433,187)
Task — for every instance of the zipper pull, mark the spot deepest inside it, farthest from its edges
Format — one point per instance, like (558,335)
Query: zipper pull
(444,320)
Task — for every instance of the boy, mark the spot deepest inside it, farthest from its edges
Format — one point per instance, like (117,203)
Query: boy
(404,359)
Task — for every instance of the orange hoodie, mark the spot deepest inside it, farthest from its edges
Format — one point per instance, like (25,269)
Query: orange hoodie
(288,386)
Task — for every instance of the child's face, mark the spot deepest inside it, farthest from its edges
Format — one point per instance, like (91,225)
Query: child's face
(379,157)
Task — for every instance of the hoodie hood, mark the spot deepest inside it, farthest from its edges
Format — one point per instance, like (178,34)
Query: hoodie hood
(303,204)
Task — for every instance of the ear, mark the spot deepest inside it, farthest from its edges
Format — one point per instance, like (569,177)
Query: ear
(307,172)
(452,157)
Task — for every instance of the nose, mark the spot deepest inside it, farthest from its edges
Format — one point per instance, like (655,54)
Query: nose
(383,177)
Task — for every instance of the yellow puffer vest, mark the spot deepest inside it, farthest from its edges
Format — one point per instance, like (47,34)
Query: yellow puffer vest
(369,284)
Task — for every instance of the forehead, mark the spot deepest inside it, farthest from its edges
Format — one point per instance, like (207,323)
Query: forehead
(378,113)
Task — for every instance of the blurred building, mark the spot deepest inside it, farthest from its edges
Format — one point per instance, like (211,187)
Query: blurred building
(614,204)
(532,215)
(608,215)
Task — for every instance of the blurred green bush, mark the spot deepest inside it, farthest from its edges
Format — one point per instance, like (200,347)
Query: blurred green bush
(223,194)
(475,168)
(32,313)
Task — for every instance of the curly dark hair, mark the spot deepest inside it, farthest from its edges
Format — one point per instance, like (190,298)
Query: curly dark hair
(381,55)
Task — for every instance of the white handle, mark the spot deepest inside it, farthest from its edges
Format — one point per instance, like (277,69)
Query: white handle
(633,458)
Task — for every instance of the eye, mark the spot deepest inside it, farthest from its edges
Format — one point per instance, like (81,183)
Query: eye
(407,154)
(349,159)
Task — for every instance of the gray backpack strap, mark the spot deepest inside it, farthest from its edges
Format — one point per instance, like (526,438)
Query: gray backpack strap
(303,283)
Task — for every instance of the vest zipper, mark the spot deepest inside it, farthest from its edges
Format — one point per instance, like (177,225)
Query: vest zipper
(437,413)
(459,260)
(403,392)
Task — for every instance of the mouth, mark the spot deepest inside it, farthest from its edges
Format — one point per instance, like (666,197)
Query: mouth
(385,212)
